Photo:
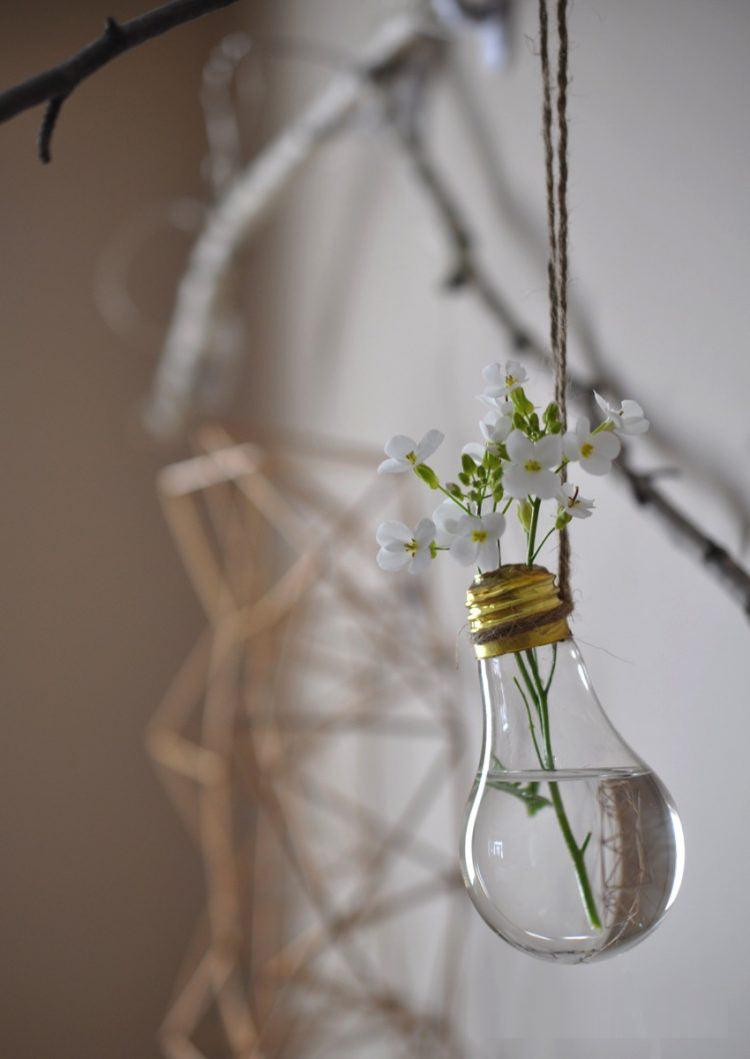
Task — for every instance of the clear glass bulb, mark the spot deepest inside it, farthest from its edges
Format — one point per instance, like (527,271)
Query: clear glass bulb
(572,849)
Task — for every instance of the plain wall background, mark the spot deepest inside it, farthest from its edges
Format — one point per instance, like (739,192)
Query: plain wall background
(99,883)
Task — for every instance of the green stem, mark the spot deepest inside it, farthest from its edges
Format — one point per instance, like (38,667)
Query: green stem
(576,853)
(551,669)
(531,722)
(544,541)
(547,762)
(532,531)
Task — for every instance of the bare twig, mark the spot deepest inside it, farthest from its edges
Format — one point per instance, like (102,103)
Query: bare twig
(53,86)
(467,271)
(249,198)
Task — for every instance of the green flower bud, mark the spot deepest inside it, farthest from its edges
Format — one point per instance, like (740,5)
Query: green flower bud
(562,520)
(521,402)
(551,414)
(427,475)
(464,478)
(525,512)
(454,489)
(467,463)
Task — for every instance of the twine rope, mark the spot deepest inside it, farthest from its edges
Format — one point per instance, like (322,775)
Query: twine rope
(556,179)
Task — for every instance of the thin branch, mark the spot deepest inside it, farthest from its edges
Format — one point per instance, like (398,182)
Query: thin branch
(53,86)
(467,271)
(399,44)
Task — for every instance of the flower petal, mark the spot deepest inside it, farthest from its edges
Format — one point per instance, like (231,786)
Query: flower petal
(424,534)
(632,426)
(389,532)
(388,560)
(603,404)
(606,444)
(446,517)
(517,482)
(517,370)
(466,524)
(597,465)
(494,375)
(432,440)
(582,427)
(420,561)
(545,484)
(393,466)
(464,551)
(572,446)
(488,555)
(495,427)
(475,450)
(494,524)
(519,447)
(400,446)
(549,450)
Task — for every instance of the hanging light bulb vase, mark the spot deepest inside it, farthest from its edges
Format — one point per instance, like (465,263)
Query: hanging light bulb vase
(572,848)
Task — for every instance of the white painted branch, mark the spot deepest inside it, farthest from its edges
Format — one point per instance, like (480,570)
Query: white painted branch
(248,200)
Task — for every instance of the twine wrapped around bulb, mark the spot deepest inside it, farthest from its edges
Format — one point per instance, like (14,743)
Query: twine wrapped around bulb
(515,608)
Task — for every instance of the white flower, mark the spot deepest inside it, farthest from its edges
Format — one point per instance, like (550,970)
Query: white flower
(446,517)
(404,453)
(572,503)
(476,540)
(503,405)
(495,427)
(501,381)
(594,452)
(529,473)
(400,548)
(475,450)
(629,419)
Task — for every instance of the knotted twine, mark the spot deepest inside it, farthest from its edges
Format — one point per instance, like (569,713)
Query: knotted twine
(519,607)
(556,178)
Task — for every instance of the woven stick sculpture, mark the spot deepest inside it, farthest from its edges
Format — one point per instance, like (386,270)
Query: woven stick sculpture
(312,743)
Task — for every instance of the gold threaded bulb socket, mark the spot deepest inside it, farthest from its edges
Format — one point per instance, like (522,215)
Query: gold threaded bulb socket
(515,608)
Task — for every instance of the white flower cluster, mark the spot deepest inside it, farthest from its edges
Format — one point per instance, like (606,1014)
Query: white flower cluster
(521,460)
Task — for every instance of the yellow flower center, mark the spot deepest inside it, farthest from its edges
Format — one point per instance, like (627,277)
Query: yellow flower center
(510,380)
(411,547)
(478,536)
(586,449)
(411,457)
(532,465)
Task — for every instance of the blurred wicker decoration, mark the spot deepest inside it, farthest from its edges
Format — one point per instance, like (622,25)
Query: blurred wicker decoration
(312,742)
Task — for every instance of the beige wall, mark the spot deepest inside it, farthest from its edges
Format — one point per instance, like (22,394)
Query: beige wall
(99,883)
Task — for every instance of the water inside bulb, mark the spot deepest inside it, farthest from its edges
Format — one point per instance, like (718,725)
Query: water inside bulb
(573,848)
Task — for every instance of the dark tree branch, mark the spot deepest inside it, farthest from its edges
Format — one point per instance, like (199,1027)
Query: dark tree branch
(467,271)
(53,86)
